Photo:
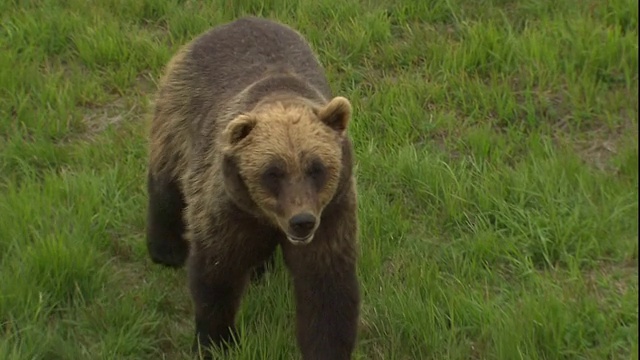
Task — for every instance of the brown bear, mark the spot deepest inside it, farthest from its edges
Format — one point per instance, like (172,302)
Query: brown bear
(249,151)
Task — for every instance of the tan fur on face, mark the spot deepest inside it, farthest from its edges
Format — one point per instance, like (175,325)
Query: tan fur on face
(295,134)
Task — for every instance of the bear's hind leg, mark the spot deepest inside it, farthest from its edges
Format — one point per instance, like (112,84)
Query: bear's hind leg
(165,224)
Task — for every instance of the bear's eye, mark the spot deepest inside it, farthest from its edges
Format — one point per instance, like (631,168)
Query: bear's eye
(316,172)
(272,177)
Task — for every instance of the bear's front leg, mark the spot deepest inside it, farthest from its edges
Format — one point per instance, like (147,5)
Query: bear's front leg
(216,296)
(327,300)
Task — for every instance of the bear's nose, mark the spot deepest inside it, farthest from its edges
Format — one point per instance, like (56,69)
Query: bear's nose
(302,224)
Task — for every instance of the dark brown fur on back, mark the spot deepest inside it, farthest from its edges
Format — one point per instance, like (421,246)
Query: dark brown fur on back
(229,100)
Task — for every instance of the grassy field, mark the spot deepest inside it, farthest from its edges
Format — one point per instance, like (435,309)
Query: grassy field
(497,158)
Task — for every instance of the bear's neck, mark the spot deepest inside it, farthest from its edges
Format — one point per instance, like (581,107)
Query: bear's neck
(282,87)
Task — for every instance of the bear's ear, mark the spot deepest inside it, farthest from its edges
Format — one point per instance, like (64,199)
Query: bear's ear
(336,114)
(239,128)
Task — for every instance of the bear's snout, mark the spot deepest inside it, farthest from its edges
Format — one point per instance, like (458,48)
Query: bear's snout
(302,224)
(301,227)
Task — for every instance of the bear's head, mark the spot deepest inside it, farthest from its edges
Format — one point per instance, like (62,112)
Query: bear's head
(284,159)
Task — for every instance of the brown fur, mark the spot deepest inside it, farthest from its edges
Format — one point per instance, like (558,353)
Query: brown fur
(247,141)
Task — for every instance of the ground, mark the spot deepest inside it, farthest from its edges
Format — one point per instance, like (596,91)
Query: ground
(497,157)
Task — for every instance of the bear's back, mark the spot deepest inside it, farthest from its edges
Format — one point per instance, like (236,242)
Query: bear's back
(230,57)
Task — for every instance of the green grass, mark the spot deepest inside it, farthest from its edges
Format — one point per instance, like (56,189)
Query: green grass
(497,160)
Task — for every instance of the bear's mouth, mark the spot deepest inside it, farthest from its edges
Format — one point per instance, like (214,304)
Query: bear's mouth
(300,240)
